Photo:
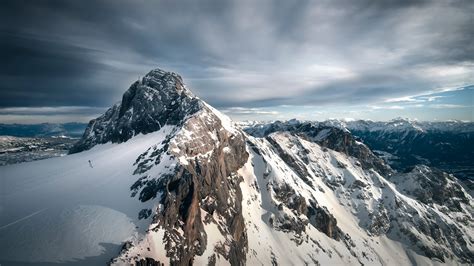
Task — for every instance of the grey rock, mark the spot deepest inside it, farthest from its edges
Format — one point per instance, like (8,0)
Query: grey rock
(159,98)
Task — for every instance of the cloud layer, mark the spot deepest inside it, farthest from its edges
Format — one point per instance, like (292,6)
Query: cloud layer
(235,54)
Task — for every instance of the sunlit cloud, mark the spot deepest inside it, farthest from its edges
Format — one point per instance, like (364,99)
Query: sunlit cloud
(248,111)
(448,106)
(390,107)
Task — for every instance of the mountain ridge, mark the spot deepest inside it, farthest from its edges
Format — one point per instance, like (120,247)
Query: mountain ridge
(200,190)
(402,143)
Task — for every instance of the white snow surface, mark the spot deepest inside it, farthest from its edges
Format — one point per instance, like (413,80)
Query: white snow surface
(61,209)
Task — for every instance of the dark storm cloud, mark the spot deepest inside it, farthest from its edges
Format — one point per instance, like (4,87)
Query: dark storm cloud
(234,53)
(35,71)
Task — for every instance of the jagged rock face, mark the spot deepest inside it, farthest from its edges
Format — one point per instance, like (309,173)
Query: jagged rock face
(158,99)
(296,165)
(198,187)
(432,186)
(324,221)
(314,214)
(342,141)
(204,183)
(379,221)
(333,137)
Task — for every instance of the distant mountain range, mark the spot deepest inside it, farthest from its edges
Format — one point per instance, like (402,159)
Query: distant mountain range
(402,143)
(405,143)
(73,130)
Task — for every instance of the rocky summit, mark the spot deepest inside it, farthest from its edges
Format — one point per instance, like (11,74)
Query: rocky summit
(159,98)
(180,184)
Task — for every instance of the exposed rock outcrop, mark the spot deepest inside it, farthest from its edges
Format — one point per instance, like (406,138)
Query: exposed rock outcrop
(432,186)
(204,183)
(158,99)
(148,262)
(316,215)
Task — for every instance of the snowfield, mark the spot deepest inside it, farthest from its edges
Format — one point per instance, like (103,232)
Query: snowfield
(61,209)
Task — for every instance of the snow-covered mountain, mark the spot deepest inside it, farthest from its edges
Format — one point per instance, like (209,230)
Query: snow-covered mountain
(407,208)
(402,143)
(162,177)
(405,124)
(400,125)
(406,143)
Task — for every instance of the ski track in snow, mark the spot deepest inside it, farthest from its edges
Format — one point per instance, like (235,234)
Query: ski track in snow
(21,219)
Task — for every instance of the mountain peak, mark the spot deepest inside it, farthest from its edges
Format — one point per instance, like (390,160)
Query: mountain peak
(157,76)
(159,98)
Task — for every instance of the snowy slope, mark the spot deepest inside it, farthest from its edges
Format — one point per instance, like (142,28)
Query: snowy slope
(61,209)
(371,213)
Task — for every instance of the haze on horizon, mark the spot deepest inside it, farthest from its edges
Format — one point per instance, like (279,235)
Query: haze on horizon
(254,60)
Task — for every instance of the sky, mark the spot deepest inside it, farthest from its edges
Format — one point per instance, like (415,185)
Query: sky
(68,60)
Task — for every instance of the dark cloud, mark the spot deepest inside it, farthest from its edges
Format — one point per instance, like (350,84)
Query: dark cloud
(32,57)
(234,53)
